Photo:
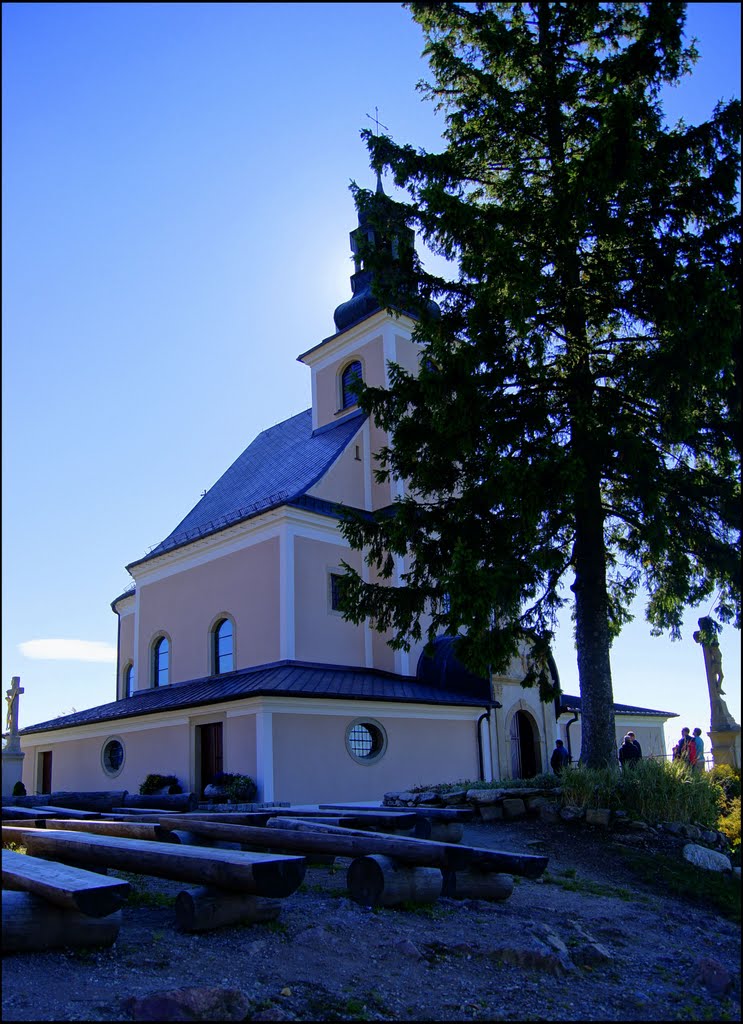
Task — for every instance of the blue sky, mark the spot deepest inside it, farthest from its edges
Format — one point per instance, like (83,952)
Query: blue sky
(175,232)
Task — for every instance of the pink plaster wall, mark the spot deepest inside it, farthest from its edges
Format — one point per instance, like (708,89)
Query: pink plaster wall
(344,481)
(126,647)
(76,762)
(321,634)
(326,380)
(244,584)
(418,751)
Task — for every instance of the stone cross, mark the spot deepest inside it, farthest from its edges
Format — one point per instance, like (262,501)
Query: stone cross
(11,699)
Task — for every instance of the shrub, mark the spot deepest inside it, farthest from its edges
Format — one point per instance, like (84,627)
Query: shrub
(728,779)
(154,783)
(729,824)
(241,788)
(19,789)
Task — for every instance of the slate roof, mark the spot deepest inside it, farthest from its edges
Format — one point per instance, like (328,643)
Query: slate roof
(281,678)
(568,703)
(277,468)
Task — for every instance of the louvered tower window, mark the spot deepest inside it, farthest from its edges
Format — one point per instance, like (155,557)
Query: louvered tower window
(351,374)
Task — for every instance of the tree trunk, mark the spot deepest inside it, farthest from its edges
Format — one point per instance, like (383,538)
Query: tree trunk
(380,881)
(126,829)
(103,800)
(31,924)
(199,910)
(163,801)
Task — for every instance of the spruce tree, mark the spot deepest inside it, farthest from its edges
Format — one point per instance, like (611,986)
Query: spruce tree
(575,420)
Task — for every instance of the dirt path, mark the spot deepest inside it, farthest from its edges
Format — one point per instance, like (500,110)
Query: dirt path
(587,942)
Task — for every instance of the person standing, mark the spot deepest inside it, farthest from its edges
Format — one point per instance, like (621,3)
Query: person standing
(699,744)
(634,740)
(628,753)
(681,750)
(560,757)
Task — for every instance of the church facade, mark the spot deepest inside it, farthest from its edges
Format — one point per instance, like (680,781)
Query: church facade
(232,652)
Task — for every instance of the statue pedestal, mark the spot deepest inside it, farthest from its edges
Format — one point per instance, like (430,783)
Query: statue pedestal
(12,767)
(726,746)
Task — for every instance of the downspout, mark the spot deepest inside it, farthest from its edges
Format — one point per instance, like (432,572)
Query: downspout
(480,757)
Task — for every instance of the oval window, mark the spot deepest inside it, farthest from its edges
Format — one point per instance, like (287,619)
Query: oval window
(112,756)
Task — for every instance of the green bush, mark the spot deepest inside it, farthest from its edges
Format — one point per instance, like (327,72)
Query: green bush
(544,781)
(19,789)
(728,779)
(154,783)
(241,789)
(729,824)
(650,790)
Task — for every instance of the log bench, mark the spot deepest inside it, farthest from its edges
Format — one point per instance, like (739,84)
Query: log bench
(261,874)
(127,829)
(70,888)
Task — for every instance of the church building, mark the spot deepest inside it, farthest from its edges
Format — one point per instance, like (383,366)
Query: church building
(232,652)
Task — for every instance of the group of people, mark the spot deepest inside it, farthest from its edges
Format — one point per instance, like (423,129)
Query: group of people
(690,749)
(630,751)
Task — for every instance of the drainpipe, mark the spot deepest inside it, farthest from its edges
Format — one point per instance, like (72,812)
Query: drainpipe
(567,733)
(480,758)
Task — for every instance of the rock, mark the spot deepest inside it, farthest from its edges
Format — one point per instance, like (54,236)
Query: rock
(514,807)
(709,860)
(391,800)
(407,948)
(590,953)
(551,938)
(674,827)
(716,978)
(549,813)
(190,1004)
(273,1013)
(571,815)
(457,796)
(598,816)
(429,797)
(484,796)
(533,803)
(736,872)
(538,957)
(407,798)
(491,812)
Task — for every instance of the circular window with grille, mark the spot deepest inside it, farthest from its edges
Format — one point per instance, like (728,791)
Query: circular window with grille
(366,740)
(112,756)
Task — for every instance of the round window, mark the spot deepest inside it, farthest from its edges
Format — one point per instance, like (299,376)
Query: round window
(366,740)
(112,756)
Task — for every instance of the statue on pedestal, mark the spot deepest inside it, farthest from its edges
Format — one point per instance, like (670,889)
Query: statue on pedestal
(721,717)
(11,699)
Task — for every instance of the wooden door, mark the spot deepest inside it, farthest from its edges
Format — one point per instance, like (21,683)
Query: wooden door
(210,752)
(45,771)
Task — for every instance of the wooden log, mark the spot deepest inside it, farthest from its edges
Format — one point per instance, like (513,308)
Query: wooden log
(471,884)
(262,874)
(380,881)
(95,801)
(199,910)
(376,821)
(164,801)
(426,852)
(439,831)
(71,888)
(31,924)
(45,811)
(128,829)
(25,822)
(435,813)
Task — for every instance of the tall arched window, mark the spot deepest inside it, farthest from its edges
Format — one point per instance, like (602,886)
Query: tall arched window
(160,662)
(351,374)
(224,648)
(129,680)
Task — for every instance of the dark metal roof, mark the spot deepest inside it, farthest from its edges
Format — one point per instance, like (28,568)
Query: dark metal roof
(281,678)
(280,465)
(568,703)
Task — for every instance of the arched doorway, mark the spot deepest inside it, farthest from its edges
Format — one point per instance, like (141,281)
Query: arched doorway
(525,760)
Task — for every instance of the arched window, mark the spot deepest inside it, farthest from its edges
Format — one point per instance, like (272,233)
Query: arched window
(129,680)
(160,662)
(224,647)
(351,374)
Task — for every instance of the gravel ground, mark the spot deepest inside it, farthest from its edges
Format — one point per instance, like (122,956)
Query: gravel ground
(607,948)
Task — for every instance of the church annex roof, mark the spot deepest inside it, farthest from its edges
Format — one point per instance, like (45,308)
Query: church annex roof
(568,703)
(281,678)
(278,467)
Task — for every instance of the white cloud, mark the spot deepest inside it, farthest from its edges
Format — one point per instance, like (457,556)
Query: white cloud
(68,650)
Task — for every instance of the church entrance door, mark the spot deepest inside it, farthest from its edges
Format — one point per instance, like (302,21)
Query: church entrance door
(524,746)
(209,752)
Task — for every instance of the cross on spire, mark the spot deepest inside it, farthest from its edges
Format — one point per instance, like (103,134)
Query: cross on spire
(376,121)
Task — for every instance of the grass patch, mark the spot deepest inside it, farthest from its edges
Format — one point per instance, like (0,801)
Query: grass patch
(569,881)
(685,881)
(141,895)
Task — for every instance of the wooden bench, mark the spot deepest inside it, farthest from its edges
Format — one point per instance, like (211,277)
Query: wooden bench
(260,874)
